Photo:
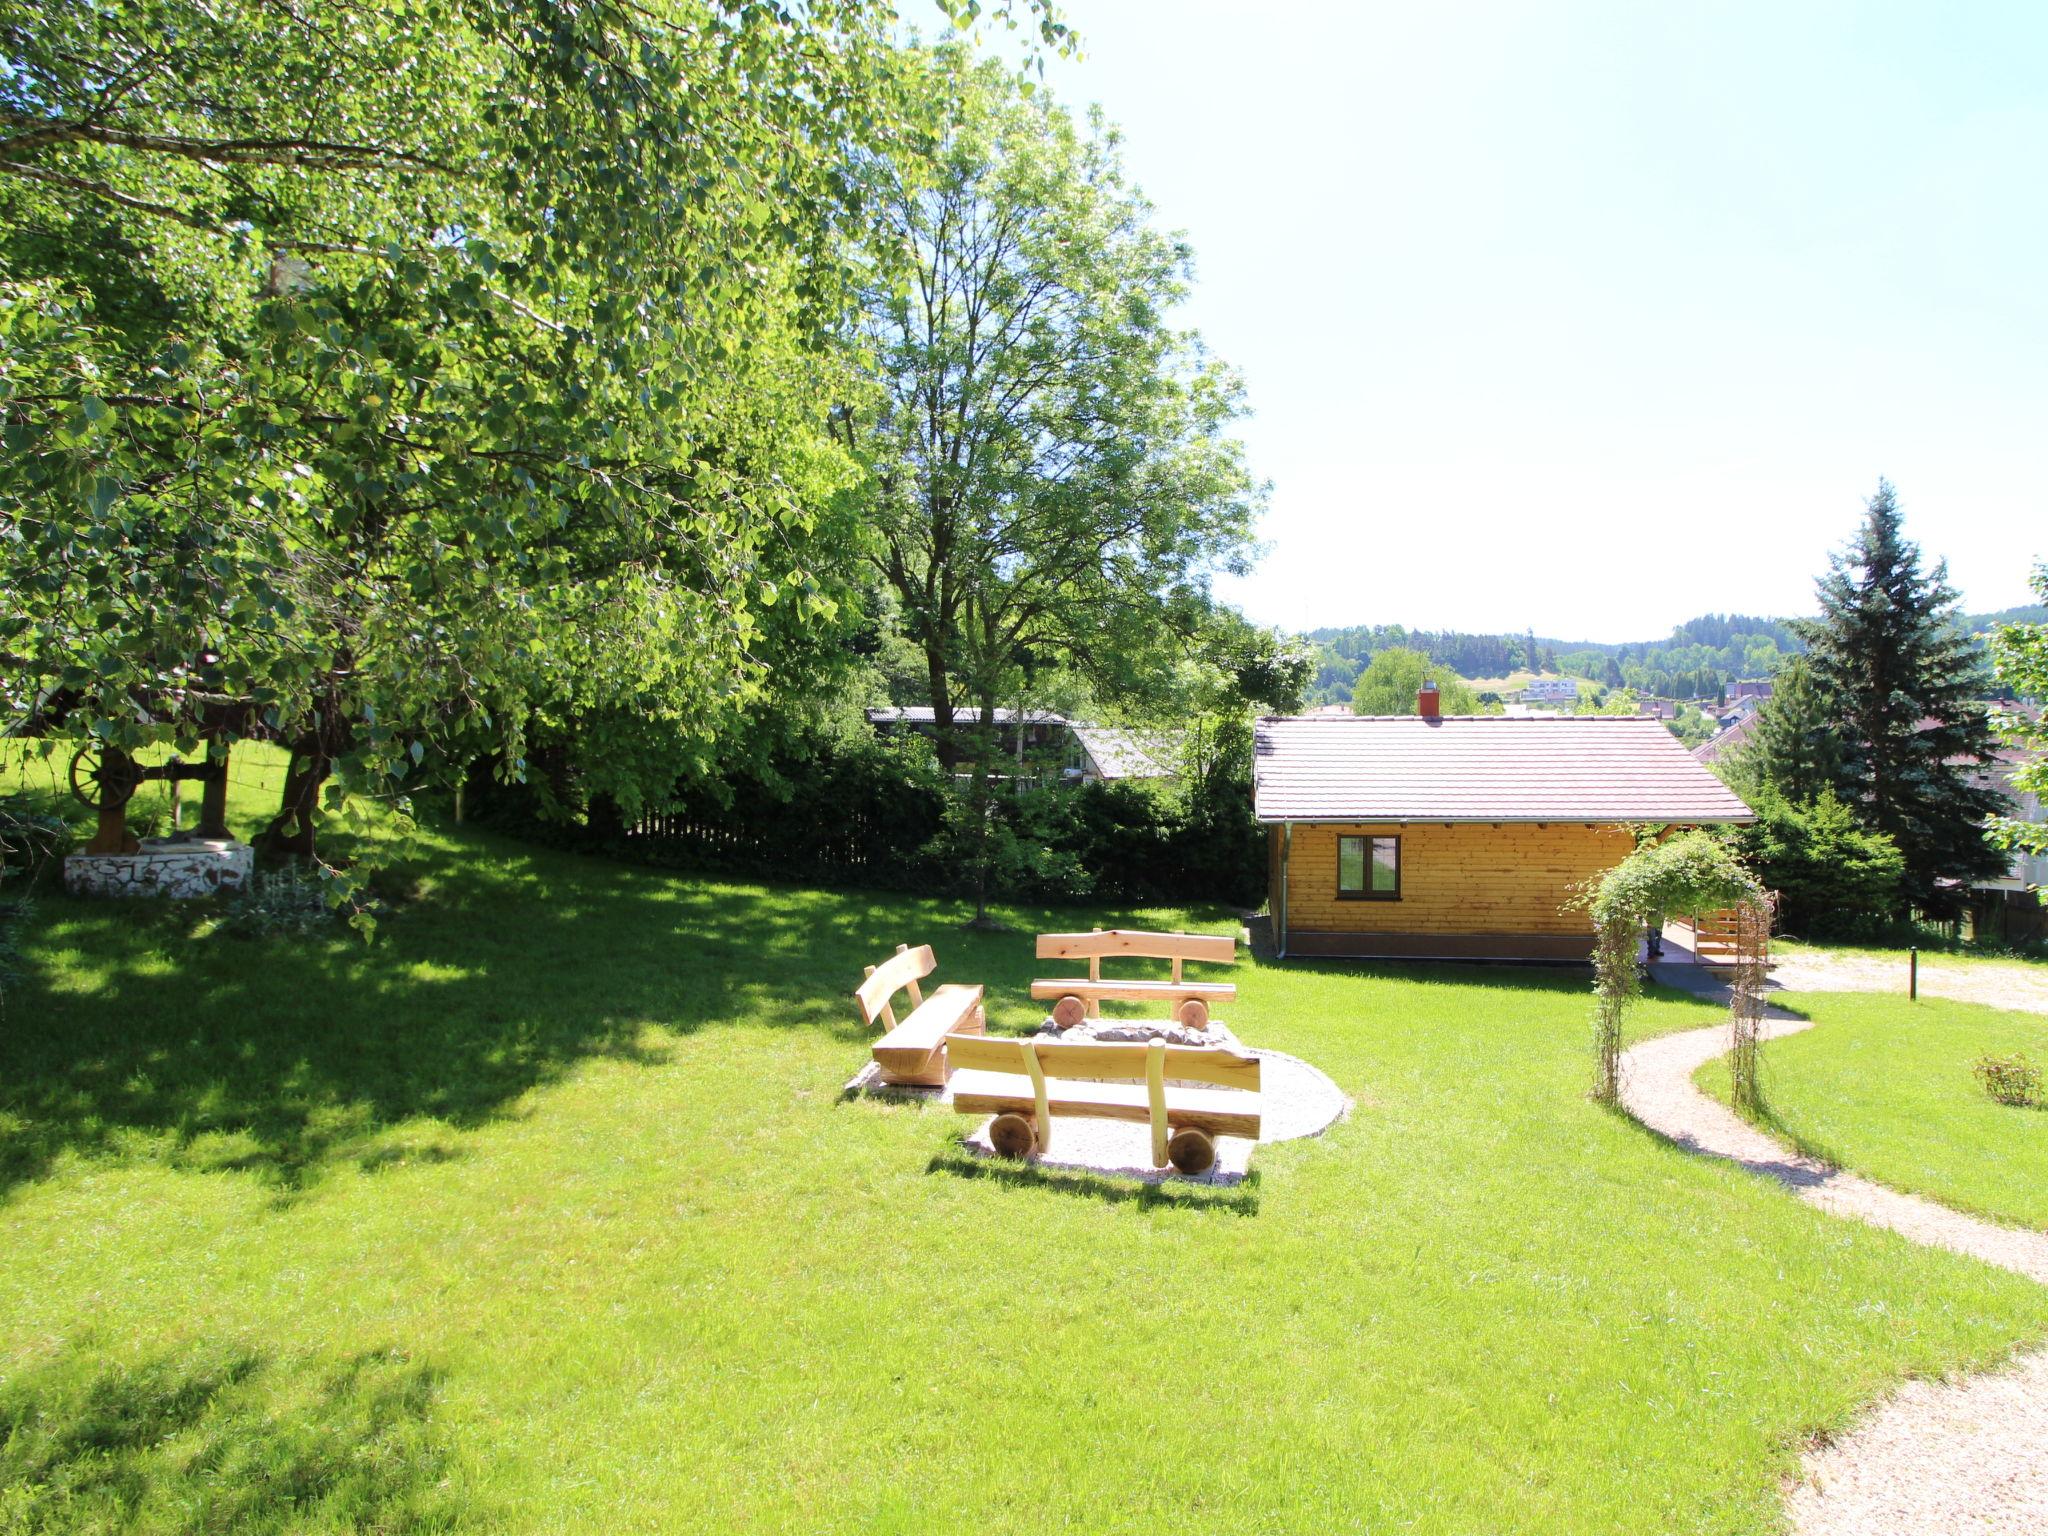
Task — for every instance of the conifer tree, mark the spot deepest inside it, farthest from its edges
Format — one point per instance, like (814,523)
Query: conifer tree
(1796,746)
(1905,678)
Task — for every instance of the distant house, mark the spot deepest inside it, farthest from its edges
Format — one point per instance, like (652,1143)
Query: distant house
(1041,728)
(2009,908)
(1107,753)
(1460,837)
(1739,708)
(1758,689)
(1726,740)
(1550,690)
(1084,751)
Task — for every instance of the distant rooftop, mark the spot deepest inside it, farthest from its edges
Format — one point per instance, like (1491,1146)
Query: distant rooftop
(1122,754)
(923,714)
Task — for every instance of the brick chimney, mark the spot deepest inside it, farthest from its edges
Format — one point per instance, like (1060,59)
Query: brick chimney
(1426,701)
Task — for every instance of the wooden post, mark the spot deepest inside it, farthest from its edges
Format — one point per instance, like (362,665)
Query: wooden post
(1913,974)
(1044,1115)
(213,797)
(1155,1088)
(1094,974)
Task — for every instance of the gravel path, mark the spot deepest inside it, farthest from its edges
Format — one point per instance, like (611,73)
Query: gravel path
(1950,1457)
(2014,985)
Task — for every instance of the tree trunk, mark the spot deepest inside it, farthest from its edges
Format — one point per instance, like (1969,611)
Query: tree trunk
(291,830)
(943,740)
(985,744)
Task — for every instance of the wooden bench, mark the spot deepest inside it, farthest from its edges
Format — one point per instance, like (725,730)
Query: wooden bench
(1188,1001)
(914,1051)
(1026,1083)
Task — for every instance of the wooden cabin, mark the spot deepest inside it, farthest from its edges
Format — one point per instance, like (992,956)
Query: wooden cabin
(1464,836)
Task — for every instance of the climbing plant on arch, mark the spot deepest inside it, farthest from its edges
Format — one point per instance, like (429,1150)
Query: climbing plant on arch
(1689,875)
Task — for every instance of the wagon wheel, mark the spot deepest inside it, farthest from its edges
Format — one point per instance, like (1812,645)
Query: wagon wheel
(1012,1135)
(103,778)
(1191,1151)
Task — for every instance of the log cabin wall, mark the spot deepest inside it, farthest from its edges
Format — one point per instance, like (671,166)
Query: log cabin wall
(1467,890)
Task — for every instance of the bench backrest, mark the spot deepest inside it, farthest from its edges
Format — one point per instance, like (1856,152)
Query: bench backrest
(902,970)
(1213,948)
(1104,1060)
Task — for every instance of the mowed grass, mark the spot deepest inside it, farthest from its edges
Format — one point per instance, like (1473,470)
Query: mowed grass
(545,1213)
(1884,1086)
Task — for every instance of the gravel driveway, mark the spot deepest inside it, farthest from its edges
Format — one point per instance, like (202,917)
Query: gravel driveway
(2002,984)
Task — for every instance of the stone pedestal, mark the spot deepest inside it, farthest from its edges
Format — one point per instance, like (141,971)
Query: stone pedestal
(177,868)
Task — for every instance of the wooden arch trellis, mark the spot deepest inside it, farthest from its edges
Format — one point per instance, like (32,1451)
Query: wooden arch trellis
(1692,875)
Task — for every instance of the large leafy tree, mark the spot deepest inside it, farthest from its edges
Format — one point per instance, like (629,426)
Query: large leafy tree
(397,379)
(1054,480)
(1390,682)
(1906,679)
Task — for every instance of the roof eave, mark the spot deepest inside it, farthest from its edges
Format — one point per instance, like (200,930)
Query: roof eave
(1734,819)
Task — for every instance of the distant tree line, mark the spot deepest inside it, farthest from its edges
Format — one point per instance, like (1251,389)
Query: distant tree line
(1700,660)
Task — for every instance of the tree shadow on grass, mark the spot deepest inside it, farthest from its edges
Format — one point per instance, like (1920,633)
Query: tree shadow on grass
(216,1438)
(130,1037)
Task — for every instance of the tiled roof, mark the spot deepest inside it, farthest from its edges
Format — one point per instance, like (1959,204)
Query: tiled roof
(1482,768)
(1715,747)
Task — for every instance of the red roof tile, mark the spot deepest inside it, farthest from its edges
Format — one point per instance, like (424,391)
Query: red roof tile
(1482,768)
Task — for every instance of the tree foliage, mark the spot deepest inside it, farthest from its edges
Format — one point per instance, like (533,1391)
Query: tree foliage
(2021,652)
(1389,684)
(1834,879)
(1054,482)
(401,380)
(1905,679)
(1796,746)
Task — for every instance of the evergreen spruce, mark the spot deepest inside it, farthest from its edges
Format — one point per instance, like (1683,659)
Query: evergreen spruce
(1905,677)
(1796,745)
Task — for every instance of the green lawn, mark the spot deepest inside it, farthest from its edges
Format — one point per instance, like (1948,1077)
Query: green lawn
(1883,1086)
(544,1214)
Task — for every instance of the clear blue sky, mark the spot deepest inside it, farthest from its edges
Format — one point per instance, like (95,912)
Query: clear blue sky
(1593,317)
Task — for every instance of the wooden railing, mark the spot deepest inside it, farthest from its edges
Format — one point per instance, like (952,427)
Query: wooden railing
(1723,937)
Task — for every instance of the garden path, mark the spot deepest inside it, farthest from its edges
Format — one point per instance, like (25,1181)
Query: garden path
(1964,1456)
(2001,984)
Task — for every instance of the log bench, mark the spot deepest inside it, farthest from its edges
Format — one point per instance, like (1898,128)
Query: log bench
(1026,1084)
(1188,1001)
(913,1052)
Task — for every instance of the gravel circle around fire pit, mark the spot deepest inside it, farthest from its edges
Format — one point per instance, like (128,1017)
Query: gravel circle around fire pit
(1297,1101)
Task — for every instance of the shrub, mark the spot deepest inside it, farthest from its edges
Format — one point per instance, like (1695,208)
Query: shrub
(1834,880)
(881,814)
(2010,1079)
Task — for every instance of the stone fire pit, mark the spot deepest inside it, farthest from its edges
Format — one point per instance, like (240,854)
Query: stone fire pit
(1141,1031)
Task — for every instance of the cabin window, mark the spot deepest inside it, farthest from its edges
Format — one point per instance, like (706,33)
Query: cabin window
(1369,868)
